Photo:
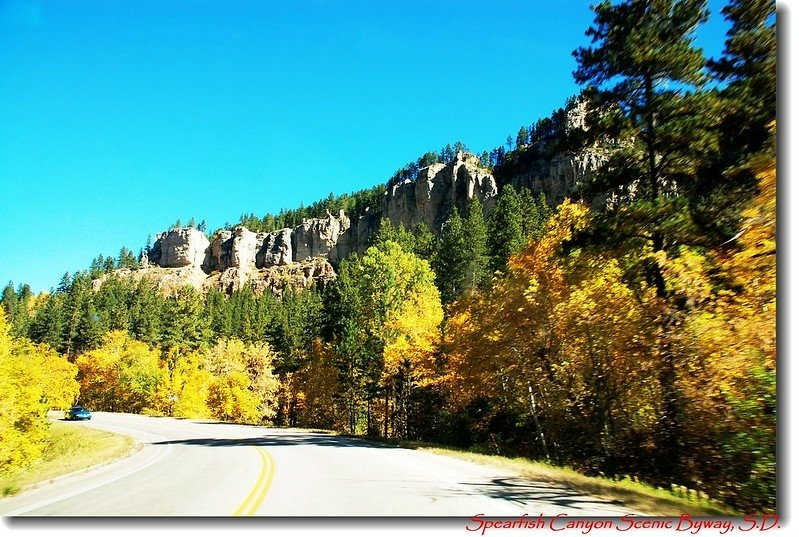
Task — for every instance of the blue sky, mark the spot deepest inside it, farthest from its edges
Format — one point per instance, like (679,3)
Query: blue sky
(117,118)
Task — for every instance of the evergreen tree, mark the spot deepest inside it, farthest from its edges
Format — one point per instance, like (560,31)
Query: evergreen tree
(646,73)
(424,241)
(749,68)
(535,213)
(642,66)
(218,312)
(9,301)
(146,313)
(506,232)
(113,300)
(47,325)
(478,275)
(127,260)
(243,312)
(449,263)
(184,325)
(21,320)
(386,231)
(522,137)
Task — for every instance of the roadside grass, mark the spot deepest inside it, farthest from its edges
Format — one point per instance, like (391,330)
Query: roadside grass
(69,448)
(639,497)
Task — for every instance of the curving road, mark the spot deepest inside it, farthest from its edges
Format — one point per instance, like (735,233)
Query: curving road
(196,468)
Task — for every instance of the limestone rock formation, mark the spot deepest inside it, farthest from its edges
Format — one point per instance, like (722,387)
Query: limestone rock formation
(180,248)
(317,237)
(309,252)
(275,249)
(437,190)
(274,279)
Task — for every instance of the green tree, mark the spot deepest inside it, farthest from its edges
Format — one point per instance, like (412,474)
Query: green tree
(477,275)
(218,312)
(394,314)
(749,69)
(424,241)
(9,301)
(522,137)
(535,214)
(645,68)
(386,231)
(184,326)
(145,318)
(506,233)
(645,73)
(47,325)
(450,260)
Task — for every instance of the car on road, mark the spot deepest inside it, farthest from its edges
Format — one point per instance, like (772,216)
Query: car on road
(78,413)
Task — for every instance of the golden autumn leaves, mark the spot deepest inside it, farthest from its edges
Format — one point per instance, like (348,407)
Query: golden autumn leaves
(572,335)
(230,381)
(33,379)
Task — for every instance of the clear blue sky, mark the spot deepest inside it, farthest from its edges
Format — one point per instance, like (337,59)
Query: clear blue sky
(117,118)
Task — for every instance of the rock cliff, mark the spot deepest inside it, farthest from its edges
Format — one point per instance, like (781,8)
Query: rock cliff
(308,253)
(437,190)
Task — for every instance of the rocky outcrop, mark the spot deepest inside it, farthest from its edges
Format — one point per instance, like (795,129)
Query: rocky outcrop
(276,249)
(562,176)
(274,279)
(437,190)
(356,237)
(180,247)
(317,237)
(236,258)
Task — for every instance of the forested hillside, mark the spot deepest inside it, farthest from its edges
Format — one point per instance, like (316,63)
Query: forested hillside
(635,340)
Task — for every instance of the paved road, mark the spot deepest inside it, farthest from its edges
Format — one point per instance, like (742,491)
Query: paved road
(195,468)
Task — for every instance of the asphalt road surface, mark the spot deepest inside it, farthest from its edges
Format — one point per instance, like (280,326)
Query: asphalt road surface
(196,468)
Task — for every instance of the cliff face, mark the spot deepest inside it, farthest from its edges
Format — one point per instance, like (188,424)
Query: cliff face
(238,258)
(440,188)
(308,253)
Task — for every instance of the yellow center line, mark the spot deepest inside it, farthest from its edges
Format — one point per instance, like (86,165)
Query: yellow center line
(262,484)
(267,484)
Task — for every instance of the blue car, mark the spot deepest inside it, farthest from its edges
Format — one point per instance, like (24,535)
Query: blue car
(78,413)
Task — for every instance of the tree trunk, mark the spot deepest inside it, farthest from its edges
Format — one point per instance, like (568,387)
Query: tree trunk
(650,137)
(535,420)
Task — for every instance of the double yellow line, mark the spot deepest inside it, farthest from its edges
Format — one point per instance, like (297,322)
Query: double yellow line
(256,497)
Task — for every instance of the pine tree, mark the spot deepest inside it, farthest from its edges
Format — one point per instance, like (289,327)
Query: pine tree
(749,68)
(478,275)
(643,70)
(9,302)
(645,74)
(506,233)
(449,263)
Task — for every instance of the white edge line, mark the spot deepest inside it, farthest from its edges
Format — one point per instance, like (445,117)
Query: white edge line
(93,486)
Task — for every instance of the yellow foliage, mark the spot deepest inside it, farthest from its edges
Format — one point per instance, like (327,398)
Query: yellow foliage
(563,330)
(122,375)
(316,387)
(736,333)
(230,398)
(226,360)
(183,391)
(33,378)
(400,305)
(416,324)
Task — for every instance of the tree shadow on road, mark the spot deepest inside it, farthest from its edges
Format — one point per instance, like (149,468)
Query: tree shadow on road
(526,493)
(304,439)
